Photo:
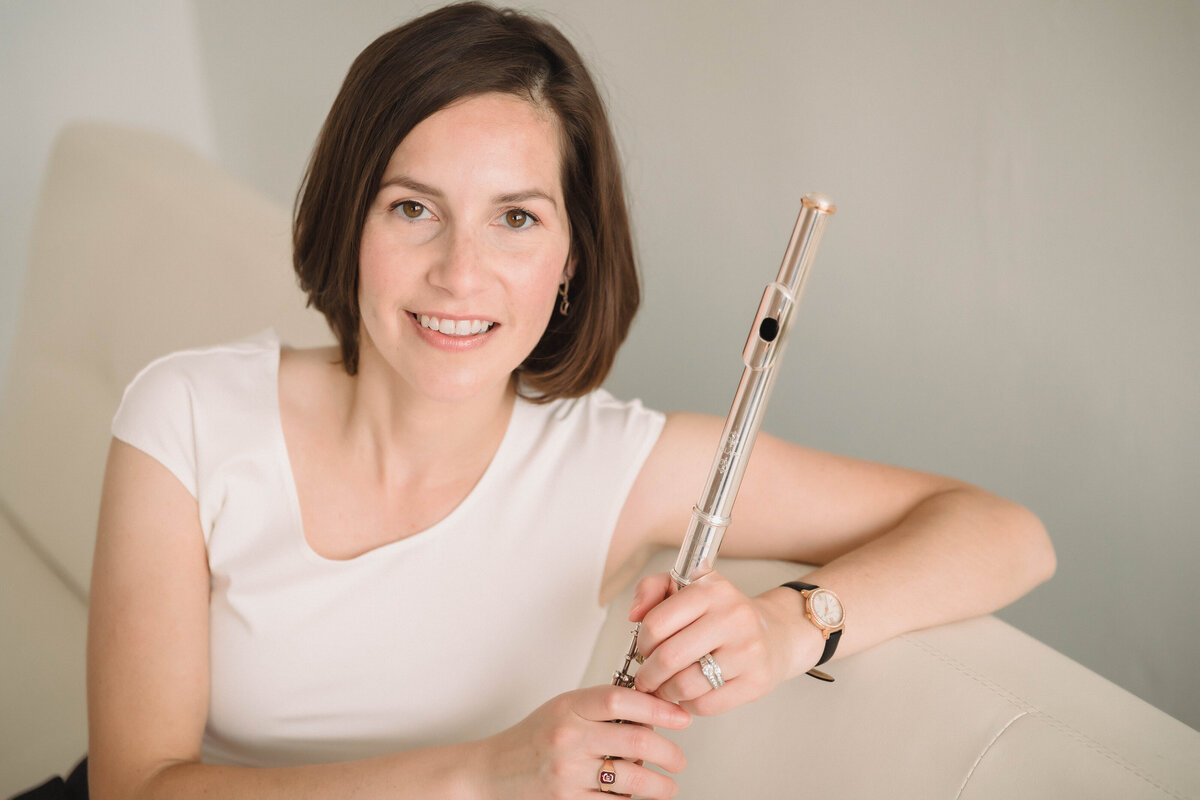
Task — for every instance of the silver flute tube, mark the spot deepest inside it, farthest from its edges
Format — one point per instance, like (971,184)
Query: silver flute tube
(764,347)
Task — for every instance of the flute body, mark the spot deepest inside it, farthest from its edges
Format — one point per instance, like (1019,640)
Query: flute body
(768,336)
(764,347)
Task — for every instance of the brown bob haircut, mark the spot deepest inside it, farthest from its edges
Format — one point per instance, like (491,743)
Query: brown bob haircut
(412,72)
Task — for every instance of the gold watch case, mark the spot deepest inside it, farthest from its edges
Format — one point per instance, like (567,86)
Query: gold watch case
(825,610)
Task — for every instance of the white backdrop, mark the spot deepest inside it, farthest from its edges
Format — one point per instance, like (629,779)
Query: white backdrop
(1008,294)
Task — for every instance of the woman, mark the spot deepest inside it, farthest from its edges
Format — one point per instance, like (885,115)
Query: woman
(329,572)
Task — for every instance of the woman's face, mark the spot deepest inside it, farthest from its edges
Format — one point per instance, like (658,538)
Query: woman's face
(464,247)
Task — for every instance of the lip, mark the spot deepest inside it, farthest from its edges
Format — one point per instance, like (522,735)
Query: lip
(451,344)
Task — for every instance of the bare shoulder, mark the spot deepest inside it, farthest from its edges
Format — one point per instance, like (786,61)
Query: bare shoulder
(679,460)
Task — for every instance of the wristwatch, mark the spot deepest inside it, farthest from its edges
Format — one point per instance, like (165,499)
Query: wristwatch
(825,610)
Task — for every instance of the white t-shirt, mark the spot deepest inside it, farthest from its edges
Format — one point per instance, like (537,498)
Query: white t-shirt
(449,635)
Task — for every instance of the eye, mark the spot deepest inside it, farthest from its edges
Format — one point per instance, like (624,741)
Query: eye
(519,218)
(411,209)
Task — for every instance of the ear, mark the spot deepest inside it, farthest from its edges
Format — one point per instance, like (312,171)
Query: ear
(569,268)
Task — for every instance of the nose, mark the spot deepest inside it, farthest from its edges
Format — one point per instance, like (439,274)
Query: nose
(459,267)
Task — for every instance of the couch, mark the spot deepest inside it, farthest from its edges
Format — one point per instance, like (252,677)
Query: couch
(142,246)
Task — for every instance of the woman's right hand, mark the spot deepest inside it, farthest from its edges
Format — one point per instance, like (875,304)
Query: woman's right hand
(558,750)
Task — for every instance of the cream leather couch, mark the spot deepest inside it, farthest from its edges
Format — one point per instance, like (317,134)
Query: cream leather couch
(142,247)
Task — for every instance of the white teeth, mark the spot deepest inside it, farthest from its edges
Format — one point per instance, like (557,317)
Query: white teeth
(450,327)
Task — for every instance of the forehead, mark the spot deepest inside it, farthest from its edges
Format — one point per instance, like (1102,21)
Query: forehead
(490,140)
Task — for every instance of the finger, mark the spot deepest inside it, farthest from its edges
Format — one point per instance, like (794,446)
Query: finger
(625,777)
(650,591)
(682,650)
(690,682)
(638,743)
(605,703)
(718,701)
(683,607)
(668,618)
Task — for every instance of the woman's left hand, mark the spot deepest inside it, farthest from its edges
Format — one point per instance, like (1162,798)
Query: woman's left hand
(756,642)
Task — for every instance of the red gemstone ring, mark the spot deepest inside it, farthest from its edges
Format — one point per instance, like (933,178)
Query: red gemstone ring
(607,776)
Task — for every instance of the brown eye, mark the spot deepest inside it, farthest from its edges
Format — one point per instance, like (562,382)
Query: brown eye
(411,209)
(516,218)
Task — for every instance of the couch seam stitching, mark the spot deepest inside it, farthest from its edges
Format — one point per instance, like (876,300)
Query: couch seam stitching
(984,752)
(1053,721)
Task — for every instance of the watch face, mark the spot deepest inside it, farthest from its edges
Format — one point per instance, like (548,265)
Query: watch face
(827,608)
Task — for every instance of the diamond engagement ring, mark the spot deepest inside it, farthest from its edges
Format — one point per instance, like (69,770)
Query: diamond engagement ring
(711,670)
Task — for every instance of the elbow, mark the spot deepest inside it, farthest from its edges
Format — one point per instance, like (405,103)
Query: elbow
(1037,559)
(105,783)
(1016,546)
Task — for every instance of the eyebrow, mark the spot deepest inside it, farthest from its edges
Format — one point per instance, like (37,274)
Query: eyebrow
(405,182)
(528,194)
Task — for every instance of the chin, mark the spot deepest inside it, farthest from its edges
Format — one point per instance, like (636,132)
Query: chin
(461,388)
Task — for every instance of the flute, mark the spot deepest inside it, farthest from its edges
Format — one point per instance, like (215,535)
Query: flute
(712,514)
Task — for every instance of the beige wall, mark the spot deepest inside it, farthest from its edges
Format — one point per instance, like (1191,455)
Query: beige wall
(1008,294)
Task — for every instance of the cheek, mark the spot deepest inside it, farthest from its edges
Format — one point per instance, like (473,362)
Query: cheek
(540,287)
(368,291)
(371,282)
(375,286)
(377,274)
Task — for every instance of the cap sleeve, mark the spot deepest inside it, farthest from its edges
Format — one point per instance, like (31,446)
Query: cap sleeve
(156,416)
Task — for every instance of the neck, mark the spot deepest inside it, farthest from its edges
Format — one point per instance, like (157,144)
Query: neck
(410,438)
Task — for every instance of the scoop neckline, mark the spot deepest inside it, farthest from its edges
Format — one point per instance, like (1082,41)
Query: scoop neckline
(418,539)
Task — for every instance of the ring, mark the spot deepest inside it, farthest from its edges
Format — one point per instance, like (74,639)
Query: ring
(607,777)
(711,670)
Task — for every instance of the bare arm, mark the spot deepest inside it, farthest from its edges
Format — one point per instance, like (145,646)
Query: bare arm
(148,680)
(903,549)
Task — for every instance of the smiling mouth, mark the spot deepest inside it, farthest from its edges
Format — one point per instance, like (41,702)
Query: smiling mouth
(454,327)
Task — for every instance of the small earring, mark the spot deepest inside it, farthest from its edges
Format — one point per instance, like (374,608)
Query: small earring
(565,305)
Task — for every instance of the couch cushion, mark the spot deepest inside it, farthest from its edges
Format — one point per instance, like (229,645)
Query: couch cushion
(43,711)
(1036,758)
(140,247)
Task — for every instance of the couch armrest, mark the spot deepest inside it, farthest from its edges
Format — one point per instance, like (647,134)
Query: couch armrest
(43,630)
(975,709)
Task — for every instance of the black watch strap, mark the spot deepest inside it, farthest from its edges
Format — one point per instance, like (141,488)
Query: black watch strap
(830,645)
(831,642)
